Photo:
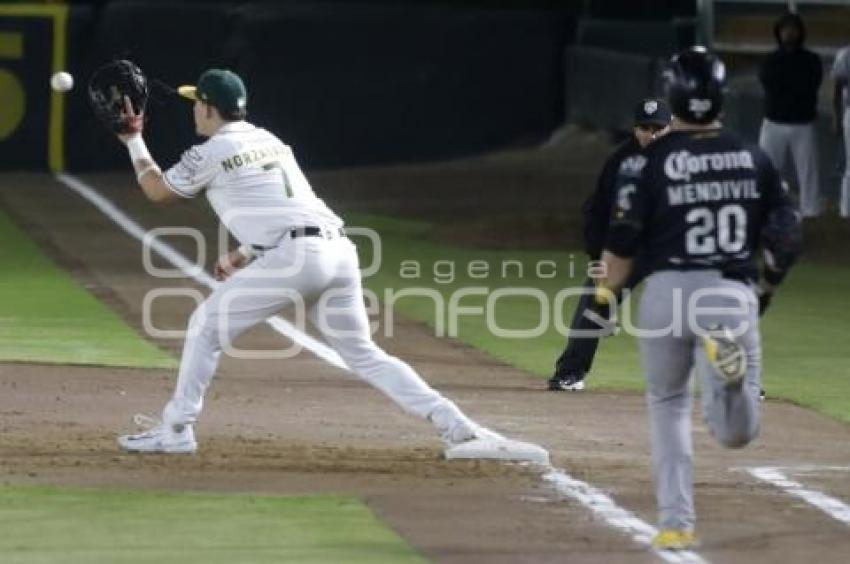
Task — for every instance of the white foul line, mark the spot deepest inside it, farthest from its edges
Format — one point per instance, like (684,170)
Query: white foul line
(618,518)
(168,252)
(590,497)
(833,507)
(809,468)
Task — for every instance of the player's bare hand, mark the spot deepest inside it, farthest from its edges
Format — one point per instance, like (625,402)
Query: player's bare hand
(228,264)
(134,122)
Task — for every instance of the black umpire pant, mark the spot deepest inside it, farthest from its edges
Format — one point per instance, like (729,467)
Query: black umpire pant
(578,355)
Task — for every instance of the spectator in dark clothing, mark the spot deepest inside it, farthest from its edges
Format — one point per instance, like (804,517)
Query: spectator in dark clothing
(791,76)
(652,117)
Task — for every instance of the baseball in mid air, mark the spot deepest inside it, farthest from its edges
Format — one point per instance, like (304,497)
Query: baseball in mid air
(62,81)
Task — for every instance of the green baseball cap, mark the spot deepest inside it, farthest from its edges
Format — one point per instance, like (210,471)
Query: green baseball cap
(220,88)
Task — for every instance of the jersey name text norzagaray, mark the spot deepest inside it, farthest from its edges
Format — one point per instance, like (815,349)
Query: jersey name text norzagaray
(253,156)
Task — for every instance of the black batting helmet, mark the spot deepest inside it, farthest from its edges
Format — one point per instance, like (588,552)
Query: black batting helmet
(693,83)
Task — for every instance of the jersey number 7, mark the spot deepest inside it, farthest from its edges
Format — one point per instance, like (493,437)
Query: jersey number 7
(284,179)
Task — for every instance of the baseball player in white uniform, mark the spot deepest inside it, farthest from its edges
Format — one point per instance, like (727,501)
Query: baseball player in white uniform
(293,252)
(841,120)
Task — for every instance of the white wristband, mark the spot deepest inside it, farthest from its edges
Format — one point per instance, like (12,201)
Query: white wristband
(137,149)
(146,170)
(246,251)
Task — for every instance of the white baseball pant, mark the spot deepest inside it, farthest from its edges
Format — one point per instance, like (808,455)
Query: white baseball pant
(321,278)
(777,139)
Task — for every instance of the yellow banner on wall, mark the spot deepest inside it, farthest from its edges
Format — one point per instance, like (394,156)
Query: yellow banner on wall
(32,48)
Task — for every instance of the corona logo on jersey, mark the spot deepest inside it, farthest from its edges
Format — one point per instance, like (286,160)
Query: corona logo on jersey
(682,164)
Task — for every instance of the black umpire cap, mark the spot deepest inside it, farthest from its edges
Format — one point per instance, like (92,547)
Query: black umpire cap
(652,111)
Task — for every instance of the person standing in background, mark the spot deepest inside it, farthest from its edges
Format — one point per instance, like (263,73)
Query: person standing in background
(841,121)
(791,76)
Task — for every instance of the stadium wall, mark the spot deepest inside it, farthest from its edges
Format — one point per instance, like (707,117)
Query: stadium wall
(347,83)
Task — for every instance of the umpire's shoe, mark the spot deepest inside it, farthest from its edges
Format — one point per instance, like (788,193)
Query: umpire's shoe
(725,354)
(567,382)
(160,438)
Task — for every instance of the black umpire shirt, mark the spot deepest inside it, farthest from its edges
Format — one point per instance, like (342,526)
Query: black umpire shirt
(596,210)
(695,200)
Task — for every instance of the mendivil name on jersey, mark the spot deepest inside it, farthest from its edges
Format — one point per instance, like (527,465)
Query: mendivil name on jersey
(697,192)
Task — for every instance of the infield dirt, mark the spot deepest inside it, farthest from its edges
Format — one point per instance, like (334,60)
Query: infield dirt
(301,426)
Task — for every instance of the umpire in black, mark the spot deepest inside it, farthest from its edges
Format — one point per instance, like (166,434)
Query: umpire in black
(652,117)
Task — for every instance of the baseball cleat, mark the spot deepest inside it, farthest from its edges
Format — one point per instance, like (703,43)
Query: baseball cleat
(487,445)
(674,539)
(160,438)
(570,382)
(725,354)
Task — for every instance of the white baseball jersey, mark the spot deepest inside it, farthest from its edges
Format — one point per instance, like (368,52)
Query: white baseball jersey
(253,183)
(259,192)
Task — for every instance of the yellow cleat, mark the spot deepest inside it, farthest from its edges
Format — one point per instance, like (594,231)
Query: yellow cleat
(674,539)
(725,354)
(710,346)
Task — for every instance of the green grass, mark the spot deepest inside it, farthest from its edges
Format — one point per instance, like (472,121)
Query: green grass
(45,316)
(48,525)
(804,333)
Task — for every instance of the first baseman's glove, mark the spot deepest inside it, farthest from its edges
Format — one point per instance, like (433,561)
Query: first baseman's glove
(108,87)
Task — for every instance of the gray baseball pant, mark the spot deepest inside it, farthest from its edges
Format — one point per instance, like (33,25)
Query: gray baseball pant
(676,306)
(777,139)
(844,205)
